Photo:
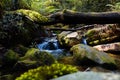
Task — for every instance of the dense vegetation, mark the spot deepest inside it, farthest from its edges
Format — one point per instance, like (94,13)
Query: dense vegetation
(50,6)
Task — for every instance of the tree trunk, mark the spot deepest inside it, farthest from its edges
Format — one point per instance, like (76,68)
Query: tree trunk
(69,17)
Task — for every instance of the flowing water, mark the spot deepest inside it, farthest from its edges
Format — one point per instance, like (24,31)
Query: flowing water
(52,46)
(49,44)
(84,41)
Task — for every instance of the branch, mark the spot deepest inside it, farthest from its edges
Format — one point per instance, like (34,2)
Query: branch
(81,28)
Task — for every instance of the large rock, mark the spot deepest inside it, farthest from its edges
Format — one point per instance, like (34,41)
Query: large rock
(86,55)
(68,38)
(90,76)
(102,34)
(112,47)
(34,57)
(18,27)
(33,15)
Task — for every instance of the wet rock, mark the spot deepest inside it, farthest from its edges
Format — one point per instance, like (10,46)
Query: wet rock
(35,57)
(86,55)
(61,37)
(33,15)
(89,76)
(103,34)
(68,38)
(112,47)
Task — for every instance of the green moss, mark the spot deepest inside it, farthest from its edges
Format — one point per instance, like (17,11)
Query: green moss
(66,40)
(103,40)
(47,72)
(10,56)
(35,16)
(87,55)
(29,53)
(69,11)
(106,34)
(96,42)
(90,33)
(61,37)
(20,49)
(35,57)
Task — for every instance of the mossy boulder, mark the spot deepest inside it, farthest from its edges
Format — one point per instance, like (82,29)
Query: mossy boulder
(33,15)
(68,38)
(86,55)
(20,49)
(103,34)
(61,37)
(34,57)
(17,28)
(47,72)
(29,53)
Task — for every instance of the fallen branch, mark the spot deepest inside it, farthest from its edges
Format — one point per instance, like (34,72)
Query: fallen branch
(81,28)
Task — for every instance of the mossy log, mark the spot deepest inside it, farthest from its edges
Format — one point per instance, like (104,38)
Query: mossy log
(69,17)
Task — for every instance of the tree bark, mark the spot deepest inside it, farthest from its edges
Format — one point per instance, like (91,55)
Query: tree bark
(69,17)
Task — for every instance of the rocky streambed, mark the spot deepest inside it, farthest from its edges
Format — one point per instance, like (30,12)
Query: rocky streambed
(24,47)
(99,44)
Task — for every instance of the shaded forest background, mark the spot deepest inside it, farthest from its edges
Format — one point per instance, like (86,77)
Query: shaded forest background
(46,7)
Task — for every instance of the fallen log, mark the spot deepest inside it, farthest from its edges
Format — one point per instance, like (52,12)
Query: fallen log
(69,17)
